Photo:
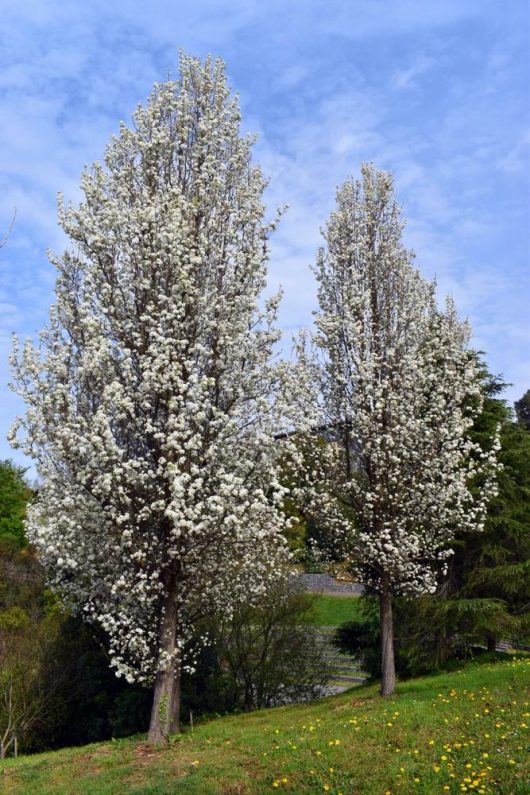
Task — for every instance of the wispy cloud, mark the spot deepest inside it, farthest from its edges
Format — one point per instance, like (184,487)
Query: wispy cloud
(407,78)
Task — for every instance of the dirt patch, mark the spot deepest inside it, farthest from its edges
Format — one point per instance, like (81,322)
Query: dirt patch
(234,789)
(358,702)
(148,751)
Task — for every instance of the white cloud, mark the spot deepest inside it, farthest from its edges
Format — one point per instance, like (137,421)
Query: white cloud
(517,159)
(406,78)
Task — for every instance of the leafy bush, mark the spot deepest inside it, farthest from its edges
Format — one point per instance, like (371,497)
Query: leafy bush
(267,656)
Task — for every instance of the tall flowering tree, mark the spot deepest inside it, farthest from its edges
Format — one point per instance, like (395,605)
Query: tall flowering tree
(152,397)
(398,393)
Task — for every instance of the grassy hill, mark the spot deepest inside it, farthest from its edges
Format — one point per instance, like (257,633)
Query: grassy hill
(332,611)
(460,732)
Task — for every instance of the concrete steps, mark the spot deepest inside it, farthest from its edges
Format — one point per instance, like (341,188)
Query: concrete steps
(346,671)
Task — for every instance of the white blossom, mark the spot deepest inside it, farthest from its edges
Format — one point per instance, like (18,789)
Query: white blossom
(396,389)
(152,400)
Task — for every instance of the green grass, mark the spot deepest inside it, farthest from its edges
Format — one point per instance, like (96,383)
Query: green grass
(331,611)
(459,732)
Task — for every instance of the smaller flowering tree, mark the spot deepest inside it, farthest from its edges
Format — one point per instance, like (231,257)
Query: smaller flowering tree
(398,391)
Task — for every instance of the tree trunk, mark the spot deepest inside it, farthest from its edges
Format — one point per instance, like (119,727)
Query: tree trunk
(388,665)
(491,642)
(165,712)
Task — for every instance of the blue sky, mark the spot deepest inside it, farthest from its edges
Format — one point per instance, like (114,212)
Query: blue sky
(436,92)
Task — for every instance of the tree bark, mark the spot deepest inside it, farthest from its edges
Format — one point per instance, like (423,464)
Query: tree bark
(388,665)
(491,642)
(165,712)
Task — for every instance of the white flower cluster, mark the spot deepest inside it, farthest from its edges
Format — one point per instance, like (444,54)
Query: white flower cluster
(153,399)
(397,394)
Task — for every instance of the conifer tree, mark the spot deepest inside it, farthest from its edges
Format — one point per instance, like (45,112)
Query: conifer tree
(522,410)
(494,566)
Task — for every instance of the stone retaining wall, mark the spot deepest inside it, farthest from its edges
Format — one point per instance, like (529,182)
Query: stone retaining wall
(324,583)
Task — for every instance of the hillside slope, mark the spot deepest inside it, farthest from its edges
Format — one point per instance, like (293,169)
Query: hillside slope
(457,732)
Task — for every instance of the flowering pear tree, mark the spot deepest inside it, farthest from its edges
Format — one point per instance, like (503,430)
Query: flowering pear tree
(398,393)
(152,399)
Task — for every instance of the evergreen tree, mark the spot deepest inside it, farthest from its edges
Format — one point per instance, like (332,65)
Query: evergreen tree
(522,410)
(495,565)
